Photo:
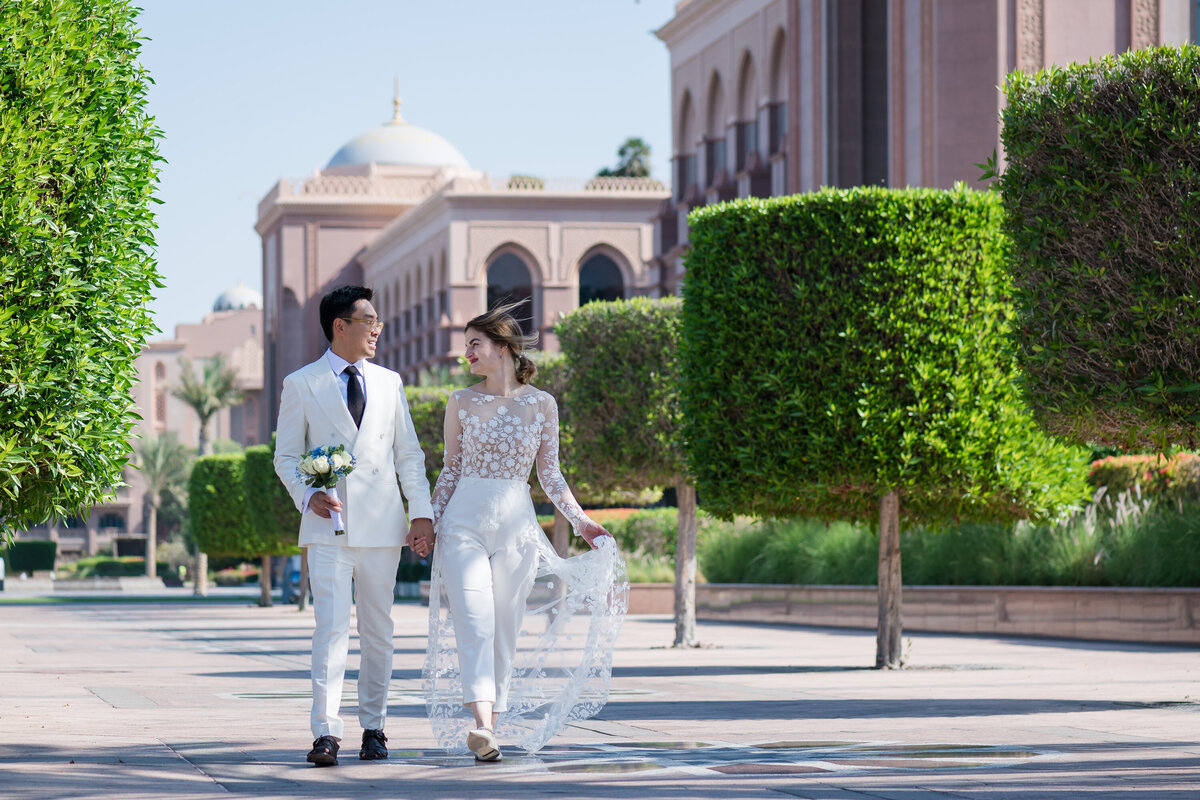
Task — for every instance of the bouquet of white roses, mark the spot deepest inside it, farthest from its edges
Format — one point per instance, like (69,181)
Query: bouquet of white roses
(323,467)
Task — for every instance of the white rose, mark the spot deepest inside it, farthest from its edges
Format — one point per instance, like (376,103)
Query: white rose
(341,460)
(306,463)
(320,464)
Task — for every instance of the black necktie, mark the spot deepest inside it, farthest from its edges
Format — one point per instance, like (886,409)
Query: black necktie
(354,395)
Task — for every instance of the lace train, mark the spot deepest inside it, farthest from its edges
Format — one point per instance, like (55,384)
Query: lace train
(563,664)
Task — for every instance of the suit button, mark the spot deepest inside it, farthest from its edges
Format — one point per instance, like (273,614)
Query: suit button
(376,471)
(381,436)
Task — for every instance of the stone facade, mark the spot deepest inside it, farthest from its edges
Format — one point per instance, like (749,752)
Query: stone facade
(854,92)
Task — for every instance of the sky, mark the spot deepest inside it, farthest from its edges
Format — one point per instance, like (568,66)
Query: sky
(253,91)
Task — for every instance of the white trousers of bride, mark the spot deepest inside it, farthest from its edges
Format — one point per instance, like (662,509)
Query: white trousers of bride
(512,622)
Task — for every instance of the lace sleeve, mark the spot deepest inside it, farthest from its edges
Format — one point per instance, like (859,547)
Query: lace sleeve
(452,460)
(549,473)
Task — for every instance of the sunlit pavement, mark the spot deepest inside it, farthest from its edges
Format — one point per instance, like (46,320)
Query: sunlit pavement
(200,699)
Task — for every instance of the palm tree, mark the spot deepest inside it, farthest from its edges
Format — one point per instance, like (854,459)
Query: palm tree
(633,160)
(216,389)
(164,464)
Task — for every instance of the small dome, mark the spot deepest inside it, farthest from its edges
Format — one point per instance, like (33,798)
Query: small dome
(237,298)
(399,143)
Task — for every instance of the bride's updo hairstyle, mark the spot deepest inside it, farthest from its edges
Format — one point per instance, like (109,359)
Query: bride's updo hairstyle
(501,326)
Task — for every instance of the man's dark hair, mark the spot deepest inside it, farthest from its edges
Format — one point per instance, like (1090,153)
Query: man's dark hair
(340,303)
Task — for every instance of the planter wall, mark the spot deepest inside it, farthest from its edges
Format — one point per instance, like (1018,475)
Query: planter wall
(1125,615)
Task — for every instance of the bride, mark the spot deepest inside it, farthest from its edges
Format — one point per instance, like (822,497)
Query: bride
(519,636)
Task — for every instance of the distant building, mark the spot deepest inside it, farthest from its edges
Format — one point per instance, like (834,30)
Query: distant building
(399,209)
(775,97)
(233,330)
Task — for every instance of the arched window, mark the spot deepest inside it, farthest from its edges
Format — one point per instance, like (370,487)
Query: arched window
(747,113)
(778,85)
(714,130)
(160,371)
(509,281)
(685,154)
(600,279)
(112,521)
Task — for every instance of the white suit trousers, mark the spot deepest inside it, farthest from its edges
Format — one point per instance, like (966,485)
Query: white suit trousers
(487,576)
(338,576)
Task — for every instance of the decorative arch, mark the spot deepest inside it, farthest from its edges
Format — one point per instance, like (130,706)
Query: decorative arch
(777,89)
(747,104)
(685,143)
(714,117)
(602,273)
(510,274)
(747,113)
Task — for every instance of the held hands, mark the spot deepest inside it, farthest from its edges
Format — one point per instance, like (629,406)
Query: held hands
(420,536)
(322,504)
(590,531)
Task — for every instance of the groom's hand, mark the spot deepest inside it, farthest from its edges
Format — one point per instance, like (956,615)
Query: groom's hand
(420,536)
(322,504)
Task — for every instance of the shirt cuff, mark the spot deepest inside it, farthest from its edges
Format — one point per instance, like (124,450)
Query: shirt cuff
(304,509)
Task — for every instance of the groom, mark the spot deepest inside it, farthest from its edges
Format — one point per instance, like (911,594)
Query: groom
(342,398)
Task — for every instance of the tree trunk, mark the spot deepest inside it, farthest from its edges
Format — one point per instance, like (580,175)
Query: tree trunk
(264,583)
(200,576)
(152,543)
(887,637)
(562,533)
(685,568)
(302,601)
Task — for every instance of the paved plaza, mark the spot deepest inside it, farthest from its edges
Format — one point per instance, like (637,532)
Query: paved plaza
(202,699)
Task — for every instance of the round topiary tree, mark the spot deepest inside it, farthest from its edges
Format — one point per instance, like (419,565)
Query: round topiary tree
(1101,188)
(845,355)
(623,400)
(78,165)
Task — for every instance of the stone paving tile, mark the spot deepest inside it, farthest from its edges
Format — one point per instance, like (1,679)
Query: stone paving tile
(200,699)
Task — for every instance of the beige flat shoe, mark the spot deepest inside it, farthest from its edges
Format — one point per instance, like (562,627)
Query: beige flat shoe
(482,742)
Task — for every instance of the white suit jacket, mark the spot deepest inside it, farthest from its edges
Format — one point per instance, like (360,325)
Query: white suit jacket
(388,455)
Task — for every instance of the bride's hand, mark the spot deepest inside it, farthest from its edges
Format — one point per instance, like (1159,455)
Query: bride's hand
(590,531)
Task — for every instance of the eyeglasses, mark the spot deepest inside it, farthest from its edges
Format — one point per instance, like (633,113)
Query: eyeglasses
(376,324)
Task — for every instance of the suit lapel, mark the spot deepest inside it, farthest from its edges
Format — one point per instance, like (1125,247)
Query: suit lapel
(324,386)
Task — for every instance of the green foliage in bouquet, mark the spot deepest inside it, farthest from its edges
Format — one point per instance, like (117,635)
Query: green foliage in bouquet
(847,343)
(1102,190)
(78,165)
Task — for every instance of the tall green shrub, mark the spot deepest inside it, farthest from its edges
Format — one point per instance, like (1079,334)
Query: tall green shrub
(217,507)
(623,396)
(427,405)
(845,356)
(1102,190)
(270,512)
(77,171)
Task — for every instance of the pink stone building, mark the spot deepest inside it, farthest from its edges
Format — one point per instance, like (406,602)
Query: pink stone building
(399,209)
(773,97)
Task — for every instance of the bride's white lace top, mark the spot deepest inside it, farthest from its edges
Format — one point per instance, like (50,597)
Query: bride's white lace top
(489,436)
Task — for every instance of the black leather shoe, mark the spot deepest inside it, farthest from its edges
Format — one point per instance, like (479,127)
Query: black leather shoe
(373,747)
(324,752)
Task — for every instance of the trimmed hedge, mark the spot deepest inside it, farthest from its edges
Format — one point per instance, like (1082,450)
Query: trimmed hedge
(217,507)
(1102,189)
(270,511)
(28,556)
(623,393)
(846,343)
(78,165)
(427,406)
